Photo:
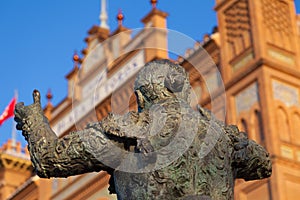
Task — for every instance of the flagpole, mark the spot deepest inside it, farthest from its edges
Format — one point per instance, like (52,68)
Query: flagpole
(13,131)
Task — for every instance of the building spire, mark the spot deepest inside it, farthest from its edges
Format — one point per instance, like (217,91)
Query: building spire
(76,59)
(49,96)
(49,107)
(120,18)
(153,3)
(103,15)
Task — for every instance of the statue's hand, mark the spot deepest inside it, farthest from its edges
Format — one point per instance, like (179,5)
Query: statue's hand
(28,117)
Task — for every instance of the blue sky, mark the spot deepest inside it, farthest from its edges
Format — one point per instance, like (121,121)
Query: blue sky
(38,39)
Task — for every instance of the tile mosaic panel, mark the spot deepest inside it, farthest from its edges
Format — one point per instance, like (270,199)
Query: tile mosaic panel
(287,94)
(245,99)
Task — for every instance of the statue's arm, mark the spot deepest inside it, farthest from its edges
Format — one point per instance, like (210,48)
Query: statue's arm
(76,153)
(250,160)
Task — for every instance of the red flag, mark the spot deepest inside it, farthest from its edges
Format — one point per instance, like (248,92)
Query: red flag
(9,111)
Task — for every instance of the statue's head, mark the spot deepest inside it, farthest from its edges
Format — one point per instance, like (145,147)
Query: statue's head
(159,80)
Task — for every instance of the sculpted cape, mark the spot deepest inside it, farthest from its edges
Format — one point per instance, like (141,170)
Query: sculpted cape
(166,150)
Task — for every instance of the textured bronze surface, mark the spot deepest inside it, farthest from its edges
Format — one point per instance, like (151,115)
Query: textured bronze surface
(166,150)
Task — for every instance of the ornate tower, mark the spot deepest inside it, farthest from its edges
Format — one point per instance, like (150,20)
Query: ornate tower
(261,70)
(15,168)
(253,31)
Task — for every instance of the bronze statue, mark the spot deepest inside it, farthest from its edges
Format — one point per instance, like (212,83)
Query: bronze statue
(166,150)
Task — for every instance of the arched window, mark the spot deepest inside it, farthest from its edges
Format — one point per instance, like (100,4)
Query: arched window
(283,125)
(244,126)
(259,130)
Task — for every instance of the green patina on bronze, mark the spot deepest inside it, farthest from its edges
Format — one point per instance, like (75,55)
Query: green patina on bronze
(166,150)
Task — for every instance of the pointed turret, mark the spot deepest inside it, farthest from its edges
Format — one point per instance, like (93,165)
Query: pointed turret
(121,28)
(72,77)
(103,15)
(100,32)
(156,17)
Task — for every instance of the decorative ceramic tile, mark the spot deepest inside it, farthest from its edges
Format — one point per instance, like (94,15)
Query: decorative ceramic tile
(282,57)
(286,152)
(247,98)
(285,93)
(243,61)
